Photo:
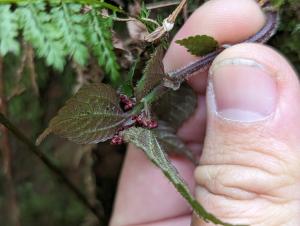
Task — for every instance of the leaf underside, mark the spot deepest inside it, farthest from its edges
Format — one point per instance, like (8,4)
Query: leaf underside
(175,107)
(147,141)
(92,115)
(153,74)
(199,45)
(172,143)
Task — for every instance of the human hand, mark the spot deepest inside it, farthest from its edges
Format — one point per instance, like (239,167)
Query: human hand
(247,124)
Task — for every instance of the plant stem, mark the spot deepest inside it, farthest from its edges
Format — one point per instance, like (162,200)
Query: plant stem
(98,211)
(154,95)
(262,36)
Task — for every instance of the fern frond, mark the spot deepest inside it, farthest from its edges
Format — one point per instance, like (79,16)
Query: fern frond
(72,30)
(8,31)
(100,39)
(42,34)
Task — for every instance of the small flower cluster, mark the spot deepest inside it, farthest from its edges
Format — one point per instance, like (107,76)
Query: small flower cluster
(140,120)
(126,102)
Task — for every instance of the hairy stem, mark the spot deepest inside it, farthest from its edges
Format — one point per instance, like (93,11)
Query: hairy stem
(98,211)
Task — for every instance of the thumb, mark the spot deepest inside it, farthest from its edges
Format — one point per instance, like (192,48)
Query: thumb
(249,172)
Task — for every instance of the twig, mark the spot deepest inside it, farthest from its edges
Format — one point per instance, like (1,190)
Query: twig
(168,24)
(54,169)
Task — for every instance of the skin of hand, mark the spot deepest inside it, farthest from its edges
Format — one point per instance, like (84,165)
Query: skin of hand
(246,125)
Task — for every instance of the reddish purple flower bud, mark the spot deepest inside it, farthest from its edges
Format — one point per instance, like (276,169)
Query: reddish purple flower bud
(123,97)
(134,118)
(140,120)
(128,106)
(126,102)
(145,122)
(116,140)
(152,124)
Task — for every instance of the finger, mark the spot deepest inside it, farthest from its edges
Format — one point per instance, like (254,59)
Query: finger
(250,166)
(144,194)
(229,21)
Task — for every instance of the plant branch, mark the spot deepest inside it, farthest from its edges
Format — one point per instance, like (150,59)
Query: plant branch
(98,211)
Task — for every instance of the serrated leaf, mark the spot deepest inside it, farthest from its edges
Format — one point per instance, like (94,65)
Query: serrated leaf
(199,45)
(148,142)
(153,74)
(166,135)
(174,107)
(92,115)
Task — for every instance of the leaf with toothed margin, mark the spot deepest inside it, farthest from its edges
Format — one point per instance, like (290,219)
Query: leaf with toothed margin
(172,143)
(199,45)
(147,141)
(153,74)
(92,115)
(174,107)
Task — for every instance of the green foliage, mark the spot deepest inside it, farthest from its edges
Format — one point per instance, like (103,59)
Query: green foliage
(152,75)
(127,87)
(199,45)
(92,115)
(8,31)
(148,142)
(41,33)
(144,15)
(69,20)
(59,31)
(100,39)
(277,3)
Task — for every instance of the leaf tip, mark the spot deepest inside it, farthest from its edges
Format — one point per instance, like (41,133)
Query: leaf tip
(199,45)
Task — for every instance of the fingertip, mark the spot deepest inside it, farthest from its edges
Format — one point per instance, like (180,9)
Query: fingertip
(229,21)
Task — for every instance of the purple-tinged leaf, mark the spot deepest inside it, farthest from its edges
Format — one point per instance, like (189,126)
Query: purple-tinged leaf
(153,74)
(148,142)
(92,115)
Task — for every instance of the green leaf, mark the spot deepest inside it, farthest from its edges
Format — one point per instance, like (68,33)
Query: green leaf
(100,40)
(166,135)
(199,45)
(92,115)
(153,74)
(174,107)
(147,141)
(127,87)
(70,23)
(8,31)
(43,35)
